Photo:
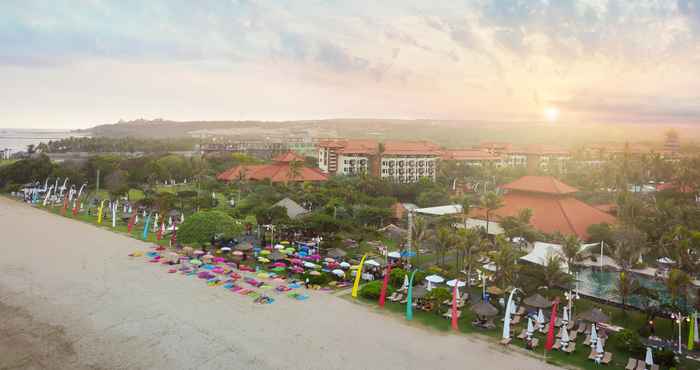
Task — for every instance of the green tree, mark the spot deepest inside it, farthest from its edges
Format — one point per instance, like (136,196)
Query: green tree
(677,284)
(443,242)
(571,247)
(202,226)
(505,258)
(490,201)
(629,244)
(626,286)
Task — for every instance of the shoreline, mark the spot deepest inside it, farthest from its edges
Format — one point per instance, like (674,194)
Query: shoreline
(118,312)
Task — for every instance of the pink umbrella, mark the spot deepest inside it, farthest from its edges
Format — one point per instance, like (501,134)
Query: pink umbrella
(315,257)
(219,260)
(296,261)
(278,264)
(218,270)
(198,252)
(297,269)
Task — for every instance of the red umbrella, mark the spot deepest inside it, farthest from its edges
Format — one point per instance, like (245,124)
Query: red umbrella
(278,264)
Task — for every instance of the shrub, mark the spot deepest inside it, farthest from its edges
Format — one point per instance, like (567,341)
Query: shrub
(629,341)
(202,226)
(439,295)
(317,279)
(373,289)
(665,358)
(420,276)
(397,276)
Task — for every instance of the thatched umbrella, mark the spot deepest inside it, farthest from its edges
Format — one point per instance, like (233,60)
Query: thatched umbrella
(494,290)
(419,291)
(484,309)
(244,247)
(394,232)
(537,301)
(336,253)
(594,315)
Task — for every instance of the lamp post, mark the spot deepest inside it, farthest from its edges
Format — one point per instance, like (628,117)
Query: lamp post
(679,320)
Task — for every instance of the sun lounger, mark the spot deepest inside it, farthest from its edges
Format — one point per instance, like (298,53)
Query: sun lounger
(570,348)
(521,311)
(534,343)
(581,327)
(588,329)
(570,325)
(515,320)
(506,341)
(607,358)
(523,334)
(556,345)
(592,355)
(448,314)
(587,341)
(573,334)
(641,365)
(631,364)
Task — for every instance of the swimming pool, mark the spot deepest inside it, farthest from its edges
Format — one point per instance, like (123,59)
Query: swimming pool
(601,285)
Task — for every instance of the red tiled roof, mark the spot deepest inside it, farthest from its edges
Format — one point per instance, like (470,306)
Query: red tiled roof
(289,156)
(469,155)
(411,148)
(564,214)
(540,184)
(276,172)
(538,149)
(351,146)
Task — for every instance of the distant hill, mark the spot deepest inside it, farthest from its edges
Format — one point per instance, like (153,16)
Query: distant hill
(447,133)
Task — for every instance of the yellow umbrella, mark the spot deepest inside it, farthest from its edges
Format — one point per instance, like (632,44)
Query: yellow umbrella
(264,252)
(284,242)
(263,259)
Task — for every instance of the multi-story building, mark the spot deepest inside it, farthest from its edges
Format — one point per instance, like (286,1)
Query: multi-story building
(401,161)
(472,157)
(409,161)
(534,157)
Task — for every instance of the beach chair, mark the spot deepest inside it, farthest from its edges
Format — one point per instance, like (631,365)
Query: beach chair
(534,343)
(581,327)
(573,334)
(592,355)
(587,341)
(654,367)
(556,345)
(506,341)
(607,358)
(523,334)
(641,365)
(570,348)
(521,311)
(588,329)
(392,296)
(570,325)
(631,364)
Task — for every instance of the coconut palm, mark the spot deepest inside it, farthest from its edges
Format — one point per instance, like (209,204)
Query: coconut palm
(490,201)
(677,284)
(683,246)
(419,233)
(626,286)
(571,246)
(551,273)
(505,258)
(295,169)
(469,242)
(629,244)
(444,239)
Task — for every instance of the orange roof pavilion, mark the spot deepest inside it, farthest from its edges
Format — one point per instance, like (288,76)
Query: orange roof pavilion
(553,206)
(279,171)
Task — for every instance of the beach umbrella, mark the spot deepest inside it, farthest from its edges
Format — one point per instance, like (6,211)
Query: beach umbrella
(595,315)
(565,337)
(329,260)
(336,253)
(540,318)
(278,269)
(530,328)
(338,272)
(310,265)
(565,316)
(649,360)
(315,257)
(225,249)
(372,263)
(196,262)
(296,261)
(394,254)
(436,279)
(199,252)
(344,265)
(263,259)
(237,253)
(284,242)
(244,247)
(275,256)
(264,252)
(208,256)
(278,264)
(315,273)
(484,309)
(297,270)
(454,282)
(279,246)
(263,275)
(594,335)
(537,301)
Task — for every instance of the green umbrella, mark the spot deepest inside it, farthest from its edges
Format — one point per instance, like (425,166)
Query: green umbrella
(278,269)
(195,262)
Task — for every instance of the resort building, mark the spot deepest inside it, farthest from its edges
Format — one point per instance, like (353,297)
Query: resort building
(472,157)
(400,161)
(287,167)
(554,208)
(535,157)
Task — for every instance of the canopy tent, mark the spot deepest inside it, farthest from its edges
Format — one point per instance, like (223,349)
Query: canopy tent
(542,251)
(293,208)
(538,301)
(394,254)
(484,309)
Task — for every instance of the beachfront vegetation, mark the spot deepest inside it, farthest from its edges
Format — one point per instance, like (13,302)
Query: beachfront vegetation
(204,226)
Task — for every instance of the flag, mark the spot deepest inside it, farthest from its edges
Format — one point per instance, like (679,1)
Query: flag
(76,207)
(691,332)
(552,321)
(99,212)
(695,328)
(506,318)
(358,277)
(382,295)
(455,294)
(173,239)
(409,298)
(161,230)
(145,227)
(65,205)
(114,214)
(130,225)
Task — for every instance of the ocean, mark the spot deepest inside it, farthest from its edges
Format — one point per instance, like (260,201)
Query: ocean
(17,139)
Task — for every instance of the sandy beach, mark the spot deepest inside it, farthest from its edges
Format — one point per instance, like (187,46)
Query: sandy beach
(70,298)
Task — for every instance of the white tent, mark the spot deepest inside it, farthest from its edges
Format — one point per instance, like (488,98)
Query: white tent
(649,359)
(541,251)
(451,209)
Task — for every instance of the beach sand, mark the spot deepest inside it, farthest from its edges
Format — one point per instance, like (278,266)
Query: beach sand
(70,298)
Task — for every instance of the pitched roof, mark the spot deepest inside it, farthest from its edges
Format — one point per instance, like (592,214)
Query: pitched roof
(540,184)
(276,172)
(411,148)
(351,146)
(564,214)
(293,208)
(289,156)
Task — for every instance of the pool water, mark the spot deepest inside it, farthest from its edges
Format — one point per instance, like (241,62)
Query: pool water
(601,284)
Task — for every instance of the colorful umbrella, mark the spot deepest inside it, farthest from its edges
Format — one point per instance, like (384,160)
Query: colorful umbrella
(195,262)
(278,264)
(263,259)
(340,273)
(315,273)
(344,265)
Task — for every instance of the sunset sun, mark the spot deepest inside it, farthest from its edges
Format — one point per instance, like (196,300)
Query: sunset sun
(551,114)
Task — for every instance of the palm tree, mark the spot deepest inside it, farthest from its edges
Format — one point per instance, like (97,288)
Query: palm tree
(505,258)
(444,240)
(490,201)
(470,240)
(295,169)
(629,244)
(419,232)
(552,274)
(683,246)
(571,246)
(626,286)
(677,284)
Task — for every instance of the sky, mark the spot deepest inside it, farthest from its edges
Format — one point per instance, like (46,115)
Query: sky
(75,64)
